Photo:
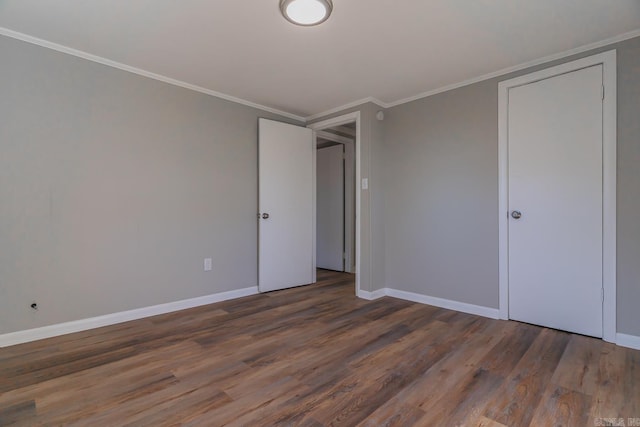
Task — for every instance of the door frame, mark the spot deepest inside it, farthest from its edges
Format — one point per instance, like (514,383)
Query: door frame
(349,194)
(609,150)
(329,123)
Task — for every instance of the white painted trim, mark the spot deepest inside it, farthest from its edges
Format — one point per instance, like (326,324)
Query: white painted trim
(488,76)
(463,307)
(503,202)
(314,214)
(515,68)
(346,130)
(104,61)
(608,60)
(623,340)
(629,341)
(346,107)
(370,296)
(114,64)
(609,195)
(29,335)
(337,121)
(349,198)
(333,137)
(478,310)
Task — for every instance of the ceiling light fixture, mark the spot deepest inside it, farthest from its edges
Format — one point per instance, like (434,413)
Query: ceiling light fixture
(306,12)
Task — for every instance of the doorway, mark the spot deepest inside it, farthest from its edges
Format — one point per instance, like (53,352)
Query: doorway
(344,131)
(557,197)
(335,201)
(287,202)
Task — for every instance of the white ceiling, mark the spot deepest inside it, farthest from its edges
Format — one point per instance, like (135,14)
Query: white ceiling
(389,50)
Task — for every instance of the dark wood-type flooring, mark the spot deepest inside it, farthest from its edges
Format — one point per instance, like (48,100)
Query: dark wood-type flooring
(316,356)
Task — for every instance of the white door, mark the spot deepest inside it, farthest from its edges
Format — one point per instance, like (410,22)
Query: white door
(555,202)
(286,186)
(330,208)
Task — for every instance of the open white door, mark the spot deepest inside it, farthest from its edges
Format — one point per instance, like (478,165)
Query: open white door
(286,211)
(330,215)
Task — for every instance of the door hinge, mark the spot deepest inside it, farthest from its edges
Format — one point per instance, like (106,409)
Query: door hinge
(603,92)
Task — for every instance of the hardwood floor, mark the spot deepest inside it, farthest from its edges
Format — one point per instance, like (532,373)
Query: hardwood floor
(316,356)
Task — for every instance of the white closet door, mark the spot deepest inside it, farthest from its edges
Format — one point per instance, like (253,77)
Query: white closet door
(555,202)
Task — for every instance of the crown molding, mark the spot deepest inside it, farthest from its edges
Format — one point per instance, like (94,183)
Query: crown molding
(502,72)
(520,67)
(341,108)
(114,64)
(94,58)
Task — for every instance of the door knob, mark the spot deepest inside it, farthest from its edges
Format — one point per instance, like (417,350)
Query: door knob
(516,214)
(265,216)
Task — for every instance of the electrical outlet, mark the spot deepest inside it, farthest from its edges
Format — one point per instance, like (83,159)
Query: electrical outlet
(207,264)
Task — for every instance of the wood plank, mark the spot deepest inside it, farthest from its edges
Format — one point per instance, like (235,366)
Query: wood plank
(560,406)
(618,392)
(472,395)
(317,356)
(20,412)
(486,422)
(403,415)
(508,352)
(516,401)
(579,366)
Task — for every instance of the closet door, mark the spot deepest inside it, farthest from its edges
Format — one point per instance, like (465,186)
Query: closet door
(555,202)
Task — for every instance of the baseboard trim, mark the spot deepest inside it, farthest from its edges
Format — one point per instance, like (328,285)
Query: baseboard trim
(623,340)
(20,337)
(50,331)
(371,295)
(492,313)
(629,341)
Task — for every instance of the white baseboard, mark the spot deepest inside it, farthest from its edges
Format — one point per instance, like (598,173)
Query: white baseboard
(29,335)
(19,337)
(371,295)
(492,313)
(623,340)
(630,341)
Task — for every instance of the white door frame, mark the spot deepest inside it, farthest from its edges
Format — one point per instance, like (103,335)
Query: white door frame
(609,138)
(329,123)
(349,193)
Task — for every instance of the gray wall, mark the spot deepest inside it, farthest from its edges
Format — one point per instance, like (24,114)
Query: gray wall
(629,187)
(115,187)
(441,198)
(441,191)
(371,235)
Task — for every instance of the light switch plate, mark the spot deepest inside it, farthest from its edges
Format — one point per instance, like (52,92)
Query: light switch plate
(207,264)
(365,183)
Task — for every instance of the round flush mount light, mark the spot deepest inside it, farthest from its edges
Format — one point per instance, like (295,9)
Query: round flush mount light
(306,12)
